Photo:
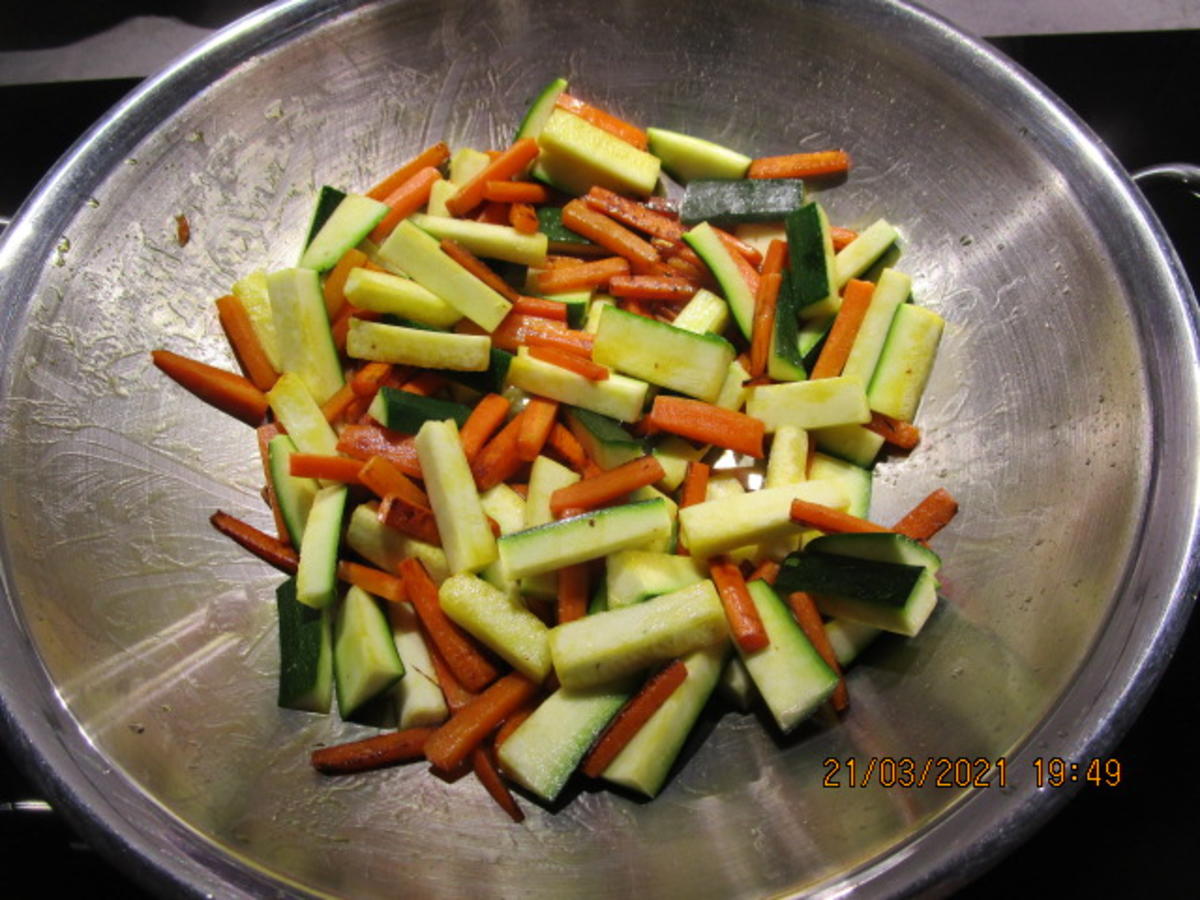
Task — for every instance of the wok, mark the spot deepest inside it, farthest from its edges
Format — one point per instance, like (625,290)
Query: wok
(137,648)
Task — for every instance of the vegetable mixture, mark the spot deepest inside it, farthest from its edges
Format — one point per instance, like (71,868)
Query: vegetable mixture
(553,457)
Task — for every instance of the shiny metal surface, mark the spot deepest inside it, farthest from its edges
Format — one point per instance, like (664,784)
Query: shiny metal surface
(138,647)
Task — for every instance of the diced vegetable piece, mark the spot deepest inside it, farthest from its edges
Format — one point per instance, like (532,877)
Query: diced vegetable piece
(387,548)
(406,412)
(813,270)
(316,578)
(852,443)
(299,413)
(386,293)
(381,342)
(305,653)
(787,463)
(905,362)
(306,345)
(539,110)
(603,438)
(466,536)
(365,661)
(739,294)
(891,290)
(688,158)
(809,404)
(576,155)
(252,291)
(617,396)
(857,256)
(637,575)
(484,239)
(419,699)
(294,495)
(499,621)
(346,226)
(729,202)
(705,312)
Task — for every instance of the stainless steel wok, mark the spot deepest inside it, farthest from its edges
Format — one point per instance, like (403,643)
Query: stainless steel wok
(137,648)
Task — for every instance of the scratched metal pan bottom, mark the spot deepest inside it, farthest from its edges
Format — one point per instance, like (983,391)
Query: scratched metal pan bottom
(137,648)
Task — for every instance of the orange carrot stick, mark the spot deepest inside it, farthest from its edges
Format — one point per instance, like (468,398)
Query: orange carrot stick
(366,381)
(589,274)
(609,233)
(608,485)
(800,165)
(364,441)
(744,622)
(809,619)
(632,716)
(456,695)
(929,516)
(331,468)
(453,742)
(383,477)
(573,362)
(335,282)
(478,268)
(652,287)
(372,753)
(740,248)
(540,307)
(406,200)
(855,300)
(372,580)
(567,340)
(424,383)
(246,345)
(606,121)
(468,665)
(515,328)
(489,776)
(572,600)
(708,424)
(831,521)
(409,518)
(516,192)
(536,423)
(841,236)
(634,214)
(493,213)
(227,391)
(335,407)
(267,548)
(764,308)
(523,217)
(431,156)
(487,416)
(567,447)
(509,163)
(695,484)
(767,570)
(900,434)
(497,460)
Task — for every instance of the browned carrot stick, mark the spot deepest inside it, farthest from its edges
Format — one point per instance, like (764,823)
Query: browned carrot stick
(900,434)
(708,424)
(372,580)
(383,477)
(841,236)
(366,381)
(667,288)
(493,213)
(372,753)
(478,268)
(267,548)
(739,248)
(453,742)
(523,217)
(809,620)
(456,695)
(509,163)
(567,340)
(469,665)
(800,165)
(767,570)
(331,468)
(409,518)
(634,214)
(487,416)
(764,308)
(579,277)
(744,622)
(431,156)
(489,776)
(567,447)
(695,483)
(514,330)
(580,365)
(406,200)
(335,407)
(606,121)
(227,391)
(246,345)
(540,307)
(572,597)
(497,460)
(335,281)
(855,300)
(536,423)
(364,441)
(632,716)
(600,229)
(929,516)
(516,192)
(831,521)
(607,486)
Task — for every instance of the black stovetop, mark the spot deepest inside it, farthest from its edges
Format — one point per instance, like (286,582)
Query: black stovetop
(1135,91)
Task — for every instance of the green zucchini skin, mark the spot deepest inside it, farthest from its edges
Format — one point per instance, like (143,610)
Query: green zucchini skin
(327,201)
(727,201)
(810,254)
(305,653)
(406,412)
(871,581)
(551,225)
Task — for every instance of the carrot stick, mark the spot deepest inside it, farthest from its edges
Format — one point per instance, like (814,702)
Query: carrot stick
(516,192)
(478,268)
(566,340)
(626,131)
(929,516)
(584,275)
(652,287)
(536,423)
(366,381)
(632,716)
(431,156)
(567,447)
(800,165)
(383,477)
(831,521)
(745,625)
(509,163)
(493,213)
(592,371)
(227,391)
(265,433)
(740,248)
(268,549)
(809,620)
(489,776)
(708,424)
(515,328)
(695,484)
(335,283)
(425,383)
(409,518)
(335,407)
(523,217)
(453,742)
(855,300)
(406,200)
(634,214)
(572,598)
(468,665)
(514,720)
(364,441)
(331,468)
(900,434)
(764,308)
(372,580)
(245,343)
(497,460)
(841,236)
(608,485)
(487,416)
(767,570)
(606,232)
(540,307)
(372,753)
(456,695)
